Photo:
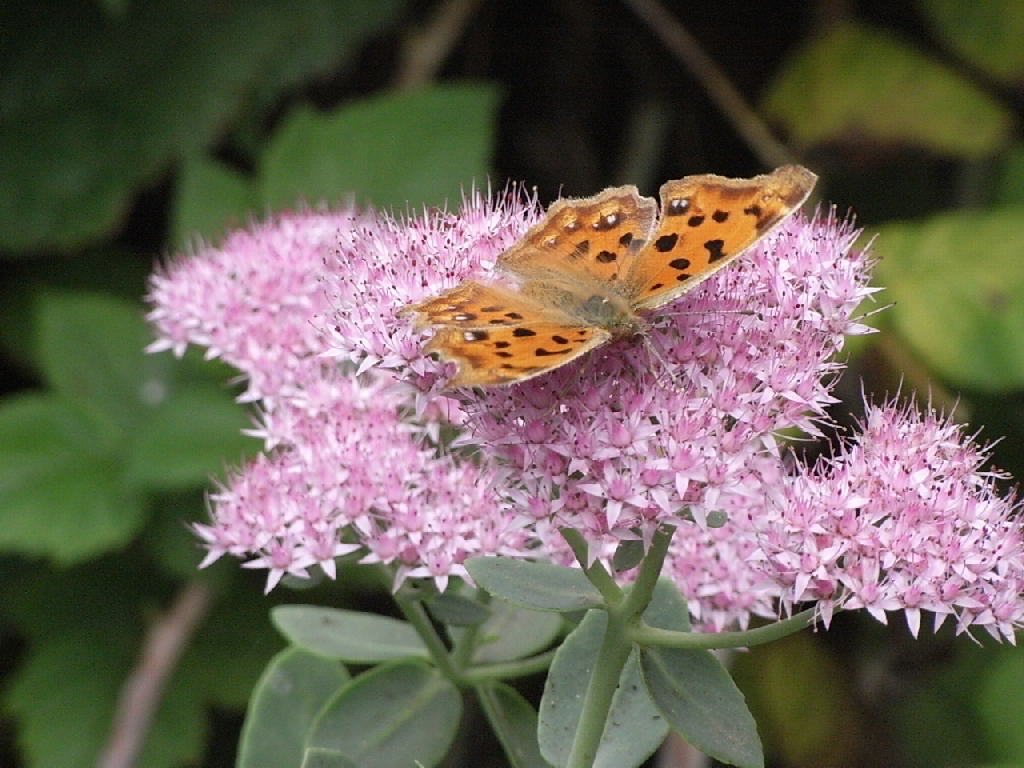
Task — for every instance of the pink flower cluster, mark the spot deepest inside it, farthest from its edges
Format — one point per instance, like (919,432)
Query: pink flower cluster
(681,431)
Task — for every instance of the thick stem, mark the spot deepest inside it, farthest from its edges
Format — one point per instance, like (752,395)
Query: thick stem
(623,616)
(596,572)
(597,702)
(415,613)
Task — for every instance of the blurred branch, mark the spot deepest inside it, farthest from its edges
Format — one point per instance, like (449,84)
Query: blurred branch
(141,692)
(426,47)
(686,49)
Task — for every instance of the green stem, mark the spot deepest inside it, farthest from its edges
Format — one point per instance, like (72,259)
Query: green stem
(623,616)
(466,640)
(647,575)
(506,670)
(596,572)
(416,614)
(666,638)
(597,703)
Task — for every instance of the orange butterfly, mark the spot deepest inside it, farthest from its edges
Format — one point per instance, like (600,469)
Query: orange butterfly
(585,271)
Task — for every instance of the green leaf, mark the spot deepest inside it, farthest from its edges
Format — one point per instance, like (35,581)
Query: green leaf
(60,491)
(294,688)
(986,34)
(351,636)
(701,702)
(457,610)
(85,628)
(92,108)
(668,609)
(1000,697)
(514,633)
(64,693)
(325,758)
(694,691)
(540,586)
(395,714)
(1009,187)
(210,200)
(861,84)
(187,437)
(514,723)
(799,692)
(90,347)
(230,650)
(965,329)
(634,728)
(418,148)
(628,555)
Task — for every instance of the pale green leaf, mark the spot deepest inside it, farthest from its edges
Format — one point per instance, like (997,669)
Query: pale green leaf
(987,34)
(61,495)
(957,281)
(860,84)
(92,107)
(540,586)
(414,148)
(634,728)
(514,723)
(211,200)
(396,714)
(352,636)
(292,691)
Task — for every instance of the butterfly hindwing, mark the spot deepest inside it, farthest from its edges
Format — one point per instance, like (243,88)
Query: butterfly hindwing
(502,355)
(473,305)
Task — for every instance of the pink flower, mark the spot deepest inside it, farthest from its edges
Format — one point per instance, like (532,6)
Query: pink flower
(681,431)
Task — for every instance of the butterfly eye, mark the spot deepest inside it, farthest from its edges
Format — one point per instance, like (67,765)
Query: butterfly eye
(678,206)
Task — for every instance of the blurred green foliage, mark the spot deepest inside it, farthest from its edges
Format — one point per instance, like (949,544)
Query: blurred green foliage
(129,129)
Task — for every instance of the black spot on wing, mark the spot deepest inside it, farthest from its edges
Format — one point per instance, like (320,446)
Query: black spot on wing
(541,352)
(666,243)
(714,249)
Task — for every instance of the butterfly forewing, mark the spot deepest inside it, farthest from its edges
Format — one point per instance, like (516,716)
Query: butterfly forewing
(706,222)
(475,305)
(595,238)
(492,356)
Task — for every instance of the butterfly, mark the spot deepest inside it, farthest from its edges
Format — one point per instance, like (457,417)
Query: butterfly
(582,275)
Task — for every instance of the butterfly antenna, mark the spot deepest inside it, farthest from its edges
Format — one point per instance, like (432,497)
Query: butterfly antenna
(663,371)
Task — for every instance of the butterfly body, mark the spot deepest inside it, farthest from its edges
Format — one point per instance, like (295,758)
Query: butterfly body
(582,275)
